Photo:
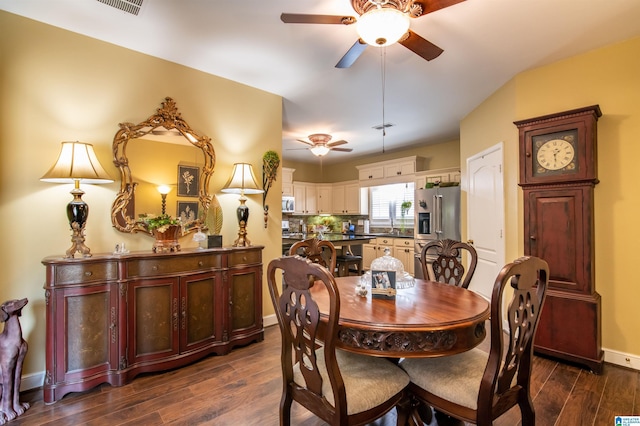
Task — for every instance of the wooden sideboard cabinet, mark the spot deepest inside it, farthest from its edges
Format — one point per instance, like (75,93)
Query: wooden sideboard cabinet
(112,317)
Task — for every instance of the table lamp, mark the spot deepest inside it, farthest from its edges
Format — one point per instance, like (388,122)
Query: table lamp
(77,162)
(242,181)
(164,190)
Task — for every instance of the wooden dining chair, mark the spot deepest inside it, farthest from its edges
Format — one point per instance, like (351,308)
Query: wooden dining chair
(342,388)
(476,386)
(440,260)
(318,251)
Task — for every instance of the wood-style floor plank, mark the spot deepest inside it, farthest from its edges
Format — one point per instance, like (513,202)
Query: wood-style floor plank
(244,388)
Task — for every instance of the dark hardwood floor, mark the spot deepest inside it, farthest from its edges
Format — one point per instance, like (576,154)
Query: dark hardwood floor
(243,388)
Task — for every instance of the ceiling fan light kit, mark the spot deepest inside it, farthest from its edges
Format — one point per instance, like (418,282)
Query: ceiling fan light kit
(382,26)
(320,150)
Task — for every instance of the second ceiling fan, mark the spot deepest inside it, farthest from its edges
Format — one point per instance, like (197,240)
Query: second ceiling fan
(381,23)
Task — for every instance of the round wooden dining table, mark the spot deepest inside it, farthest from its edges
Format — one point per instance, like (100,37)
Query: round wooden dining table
(428,320)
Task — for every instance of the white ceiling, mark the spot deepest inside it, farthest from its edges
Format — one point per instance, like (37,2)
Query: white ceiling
(485,42)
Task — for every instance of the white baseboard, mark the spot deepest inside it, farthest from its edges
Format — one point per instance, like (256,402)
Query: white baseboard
(622,359)
(610,356)
(32,381)
(269,320)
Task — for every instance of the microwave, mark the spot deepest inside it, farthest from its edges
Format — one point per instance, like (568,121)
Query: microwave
(288,205)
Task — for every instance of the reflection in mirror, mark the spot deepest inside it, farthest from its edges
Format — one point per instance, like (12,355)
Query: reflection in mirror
(165,151)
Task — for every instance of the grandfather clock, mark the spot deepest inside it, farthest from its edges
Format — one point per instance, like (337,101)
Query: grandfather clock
(558,173)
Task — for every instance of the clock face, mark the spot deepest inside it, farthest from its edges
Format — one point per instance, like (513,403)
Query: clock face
(555,153)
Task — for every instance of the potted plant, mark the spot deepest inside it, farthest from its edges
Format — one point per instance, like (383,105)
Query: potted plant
(404,208)
(166,231)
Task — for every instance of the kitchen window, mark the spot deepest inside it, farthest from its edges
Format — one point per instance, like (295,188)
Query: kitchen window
(385,208)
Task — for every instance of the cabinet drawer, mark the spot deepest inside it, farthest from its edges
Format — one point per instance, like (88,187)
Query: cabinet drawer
(162,266)
(403,242)
(244,258)
(384,241)
(85,273)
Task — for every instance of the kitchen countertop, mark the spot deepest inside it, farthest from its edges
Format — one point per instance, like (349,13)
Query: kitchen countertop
(341,237)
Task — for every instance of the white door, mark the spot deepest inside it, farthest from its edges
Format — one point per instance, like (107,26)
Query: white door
(485,217)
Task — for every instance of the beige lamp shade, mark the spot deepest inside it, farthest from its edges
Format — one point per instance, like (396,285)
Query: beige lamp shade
(77,162)
(242,180)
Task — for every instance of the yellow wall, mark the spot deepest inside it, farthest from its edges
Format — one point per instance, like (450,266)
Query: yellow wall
(608,77)
(58,86)
(435,156)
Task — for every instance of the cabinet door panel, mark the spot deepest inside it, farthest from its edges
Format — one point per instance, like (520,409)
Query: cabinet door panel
(90,317)
(200,305)
(244,299)
(556,234)
(154,319)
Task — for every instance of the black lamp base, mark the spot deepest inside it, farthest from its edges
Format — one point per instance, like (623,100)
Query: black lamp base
(77,213)
(243,217)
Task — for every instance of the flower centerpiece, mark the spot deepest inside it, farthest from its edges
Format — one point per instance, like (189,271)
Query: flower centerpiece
(166,231)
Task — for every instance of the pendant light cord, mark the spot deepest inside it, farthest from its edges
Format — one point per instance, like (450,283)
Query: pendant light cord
(383,73)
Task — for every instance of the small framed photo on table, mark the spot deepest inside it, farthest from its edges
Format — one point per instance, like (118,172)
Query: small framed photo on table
(383,284)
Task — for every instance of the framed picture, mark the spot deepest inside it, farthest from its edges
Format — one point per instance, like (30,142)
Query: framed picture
(188,180)
(187,211)
(383,284)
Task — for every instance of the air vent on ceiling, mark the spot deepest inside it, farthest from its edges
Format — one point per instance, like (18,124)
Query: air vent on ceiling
(383,126)
(130,6)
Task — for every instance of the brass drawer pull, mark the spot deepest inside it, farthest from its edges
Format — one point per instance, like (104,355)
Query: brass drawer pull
(200,263)
(154,268)
(88,273)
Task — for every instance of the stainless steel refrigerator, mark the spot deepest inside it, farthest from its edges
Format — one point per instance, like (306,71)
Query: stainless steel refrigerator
(437,217)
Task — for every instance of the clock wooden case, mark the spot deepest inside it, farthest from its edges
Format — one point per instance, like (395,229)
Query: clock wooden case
(558,173)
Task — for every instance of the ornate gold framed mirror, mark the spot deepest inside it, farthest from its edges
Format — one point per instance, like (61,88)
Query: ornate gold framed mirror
(161,146)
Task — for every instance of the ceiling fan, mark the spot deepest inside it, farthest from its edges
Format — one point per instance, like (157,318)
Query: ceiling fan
(381,23)
(320,144)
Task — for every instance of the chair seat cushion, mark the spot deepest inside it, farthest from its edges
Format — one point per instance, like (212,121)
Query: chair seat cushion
(368,381)
(455,378)
(347,258)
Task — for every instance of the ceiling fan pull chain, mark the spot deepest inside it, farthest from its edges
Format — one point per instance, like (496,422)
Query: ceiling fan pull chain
(383,56)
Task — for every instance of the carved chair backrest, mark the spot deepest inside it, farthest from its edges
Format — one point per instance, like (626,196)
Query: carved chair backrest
(506,377)
(299,317)
(318,251)
(441,261)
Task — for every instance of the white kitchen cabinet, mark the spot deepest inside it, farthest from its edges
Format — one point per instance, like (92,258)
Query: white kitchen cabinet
(371,173)
(306,198)
(390,171)
(400,248)
(349,198)
(287,182)
(338,198)
(403,250)
(401,168)
(324,201)
(451,174)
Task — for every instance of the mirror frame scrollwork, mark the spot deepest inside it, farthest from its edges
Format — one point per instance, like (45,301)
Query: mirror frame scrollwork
(168,118)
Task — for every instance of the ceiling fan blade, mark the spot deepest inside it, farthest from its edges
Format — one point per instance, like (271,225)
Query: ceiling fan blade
(433,5)
(342,149)
(421,47)
(308,143)
(298,18)
(336,143)
(352,54)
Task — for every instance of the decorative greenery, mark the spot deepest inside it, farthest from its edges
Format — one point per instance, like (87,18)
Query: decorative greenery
(270,163)
(161,223)
(404,207)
